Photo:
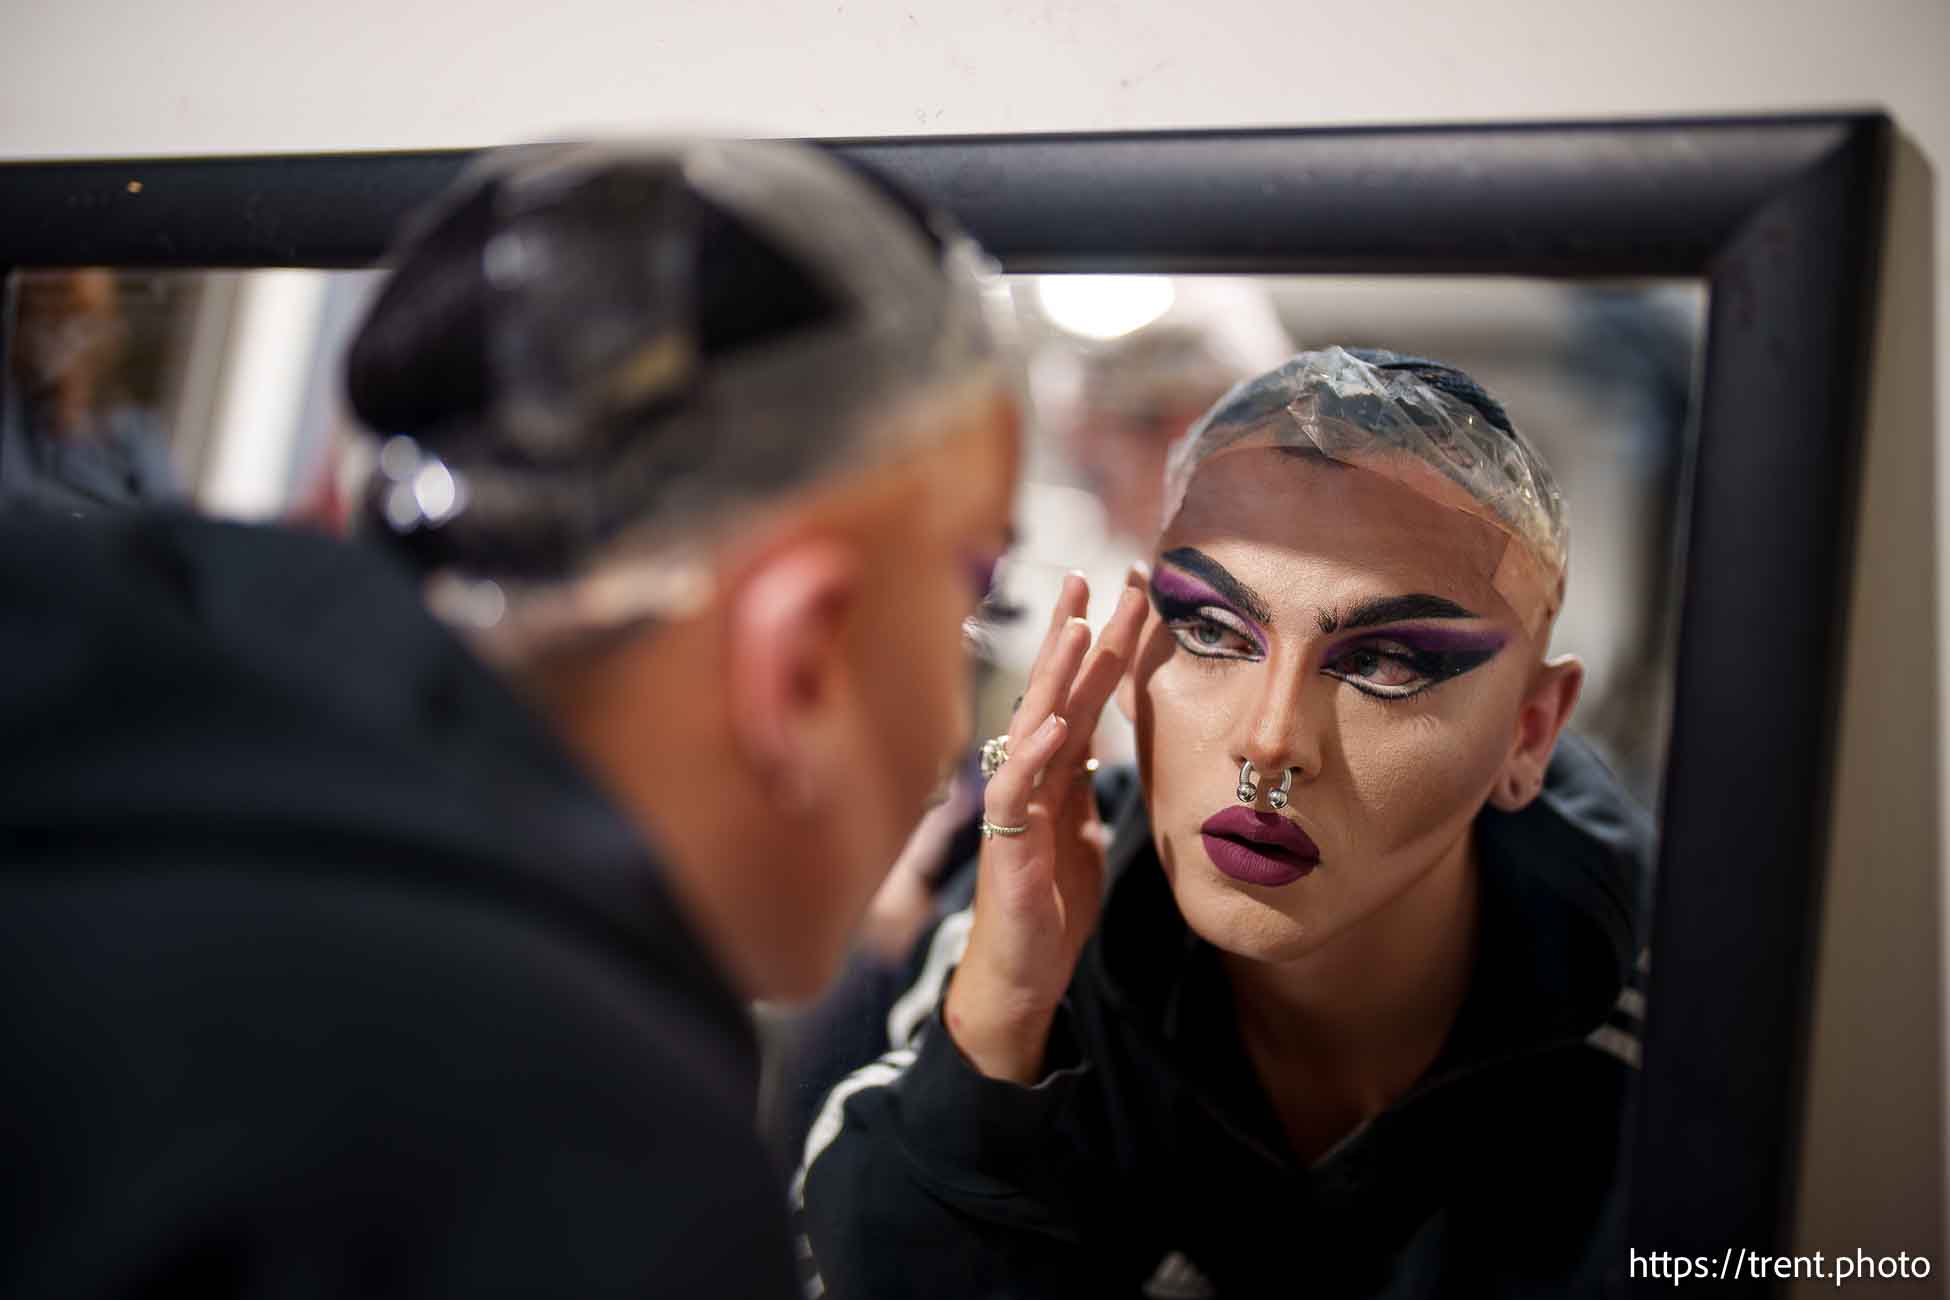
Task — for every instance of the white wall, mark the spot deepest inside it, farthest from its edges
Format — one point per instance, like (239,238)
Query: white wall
(89,77)
(1873,1173)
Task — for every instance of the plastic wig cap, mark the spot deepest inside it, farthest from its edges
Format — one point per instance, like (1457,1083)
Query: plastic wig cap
(641,343)
(1423,425)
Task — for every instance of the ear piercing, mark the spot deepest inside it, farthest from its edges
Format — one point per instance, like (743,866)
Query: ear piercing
(1249,786)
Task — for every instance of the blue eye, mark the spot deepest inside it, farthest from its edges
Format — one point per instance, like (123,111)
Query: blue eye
(1207,637)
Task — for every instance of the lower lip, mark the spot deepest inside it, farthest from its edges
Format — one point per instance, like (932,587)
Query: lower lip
(1255,864)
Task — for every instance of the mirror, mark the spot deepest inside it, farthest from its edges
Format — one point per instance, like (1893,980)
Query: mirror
(1756,505)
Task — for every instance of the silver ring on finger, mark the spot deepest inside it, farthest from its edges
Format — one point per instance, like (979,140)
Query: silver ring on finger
(990,830)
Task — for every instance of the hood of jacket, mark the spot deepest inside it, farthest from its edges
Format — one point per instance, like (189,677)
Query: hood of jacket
(184,691)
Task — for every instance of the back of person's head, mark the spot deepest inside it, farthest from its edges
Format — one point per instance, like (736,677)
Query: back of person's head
(585,350)
(707,442)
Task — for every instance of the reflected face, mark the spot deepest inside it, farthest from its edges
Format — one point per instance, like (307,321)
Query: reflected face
(1311,616)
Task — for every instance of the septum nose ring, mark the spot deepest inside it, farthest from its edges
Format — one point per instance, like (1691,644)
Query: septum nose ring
(1249,786)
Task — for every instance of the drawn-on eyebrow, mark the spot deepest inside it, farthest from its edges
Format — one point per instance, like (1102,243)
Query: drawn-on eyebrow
(1193,560)
(1392,609)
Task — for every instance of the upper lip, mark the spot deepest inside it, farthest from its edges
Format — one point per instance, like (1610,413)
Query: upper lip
(1262,828)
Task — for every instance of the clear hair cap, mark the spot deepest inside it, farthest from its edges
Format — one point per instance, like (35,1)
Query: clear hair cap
(613,439)
(1390,420)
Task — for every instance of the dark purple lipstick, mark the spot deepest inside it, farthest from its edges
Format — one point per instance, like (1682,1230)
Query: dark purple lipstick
(1258,848)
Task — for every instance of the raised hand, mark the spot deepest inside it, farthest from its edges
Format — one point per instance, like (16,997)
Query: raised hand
(1040,885)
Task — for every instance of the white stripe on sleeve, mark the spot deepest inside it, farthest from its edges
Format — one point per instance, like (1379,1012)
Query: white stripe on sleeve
(877,1074)
(913,1007)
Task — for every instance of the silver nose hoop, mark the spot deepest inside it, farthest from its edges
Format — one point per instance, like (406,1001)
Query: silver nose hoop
(1249,786)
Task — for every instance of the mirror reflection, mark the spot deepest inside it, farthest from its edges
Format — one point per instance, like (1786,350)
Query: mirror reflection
(1360,969)
(1338,953)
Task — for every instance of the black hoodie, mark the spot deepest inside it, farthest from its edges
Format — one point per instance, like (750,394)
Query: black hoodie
(1150,1162)
(323,971)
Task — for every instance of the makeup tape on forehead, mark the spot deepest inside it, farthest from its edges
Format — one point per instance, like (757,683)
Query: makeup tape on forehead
(1394,423)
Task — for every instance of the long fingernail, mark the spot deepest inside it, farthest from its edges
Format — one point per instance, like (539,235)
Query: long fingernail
(1051,725)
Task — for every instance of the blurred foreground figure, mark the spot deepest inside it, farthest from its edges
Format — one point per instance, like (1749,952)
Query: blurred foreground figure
(351,953)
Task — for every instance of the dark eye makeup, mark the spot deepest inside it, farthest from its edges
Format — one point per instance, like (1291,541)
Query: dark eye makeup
(1396,667)
(991,609)
(1192,609)
(1392,665)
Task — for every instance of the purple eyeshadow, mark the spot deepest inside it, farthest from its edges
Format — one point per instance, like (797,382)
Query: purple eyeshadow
(1437,640)
(1436,652)
(981,570)
(1187,593)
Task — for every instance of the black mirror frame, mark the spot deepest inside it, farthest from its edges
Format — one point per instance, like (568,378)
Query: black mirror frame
(1782,218)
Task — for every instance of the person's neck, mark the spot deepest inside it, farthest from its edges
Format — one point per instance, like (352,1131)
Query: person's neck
(669,780)
(1338,1035)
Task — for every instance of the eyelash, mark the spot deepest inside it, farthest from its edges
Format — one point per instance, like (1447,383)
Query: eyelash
(1182,624)
(990,617)
(1432,668)
(992,612)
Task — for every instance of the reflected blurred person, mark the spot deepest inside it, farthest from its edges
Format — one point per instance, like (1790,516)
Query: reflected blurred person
(1339,995)
(70,438)
(342,958)
(1137,393)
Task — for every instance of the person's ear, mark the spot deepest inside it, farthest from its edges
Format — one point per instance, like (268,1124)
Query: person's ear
(786,665)
(1546,708)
